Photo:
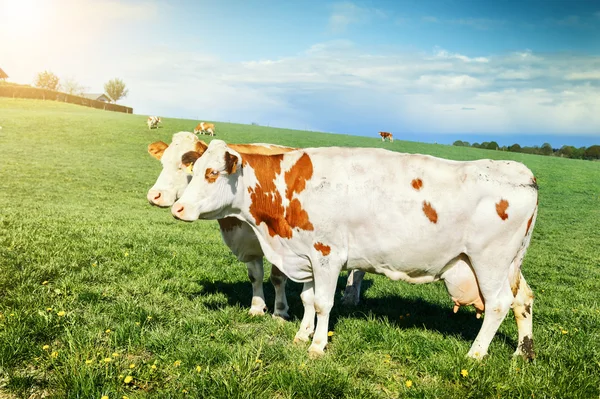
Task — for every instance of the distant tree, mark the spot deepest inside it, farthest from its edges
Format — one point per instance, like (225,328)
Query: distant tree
(578,153)
(514,148)
(492,146)
(484,145)
(592,152)
(71,86)
(115,88)
(475,145)
(546,149)
(460,143)
(566,151)
(46,80)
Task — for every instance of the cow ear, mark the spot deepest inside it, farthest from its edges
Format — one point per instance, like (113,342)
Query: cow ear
(230,163)
(157,149)
(201,146)
(189,158)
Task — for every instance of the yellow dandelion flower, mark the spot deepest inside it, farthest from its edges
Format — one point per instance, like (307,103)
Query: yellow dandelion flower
(198,369)
(128,379)
(125,397)
(54,354)
(132,366)
(330,334)
(115,354)
(184,391)
(177,363)
(61,313)
(89,361)
(258,361)
(48,309)
(137,323)
(564,331)
(126,253)
(153,367)
(45,282)
(408,383)
(120,376)
(94,264)
(104,397)
(107,331)
(107,360)
(464,373)
(303,365)
(46,347)
(12,315)
(408,315)
(149,318)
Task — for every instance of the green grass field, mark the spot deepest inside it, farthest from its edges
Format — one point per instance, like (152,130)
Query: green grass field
(97,286)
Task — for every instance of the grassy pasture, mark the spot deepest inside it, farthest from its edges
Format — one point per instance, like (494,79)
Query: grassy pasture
(96,285)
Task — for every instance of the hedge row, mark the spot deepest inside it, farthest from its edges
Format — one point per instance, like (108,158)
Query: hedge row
(18,91)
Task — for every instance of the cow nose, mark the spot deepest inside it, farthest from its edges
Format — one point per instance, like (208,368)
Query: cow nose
(178,210)
(154,196)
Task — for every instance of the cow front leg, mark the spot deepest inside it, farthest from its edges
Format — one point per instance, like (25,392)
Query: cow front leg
(279,280)
(307,326)
(256,274)
(352,293)
(325,275)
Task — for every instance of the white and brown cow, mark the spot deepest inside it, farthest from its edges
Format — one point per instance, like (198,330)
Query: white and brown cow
(205,128)
(386,135)
(315,213)
(153,122)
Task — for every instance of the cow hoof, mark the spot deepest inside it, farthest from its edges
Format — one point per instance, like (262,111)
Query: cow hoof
(475,355)
(301,338)
(314,352)
(283,316)
(256,311)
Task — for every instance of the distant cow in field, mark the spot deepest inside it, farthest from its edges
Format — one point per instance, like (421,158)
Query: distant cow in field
(153,122)
(205,128)
(386,135)
(313,212)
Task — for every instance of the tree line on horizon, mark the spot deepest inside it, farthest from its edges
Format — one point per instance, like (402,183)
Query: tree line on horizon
(566,151)
(115,88)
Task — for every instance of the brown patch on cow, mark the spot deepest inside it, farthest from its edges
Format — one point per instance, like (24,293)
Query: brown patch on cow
(417,184)
(267,202)
(230,163)
(211,175)
(501,208)
(430,212)
(189,158)
(528,308)
(324,249)
(296,177)
(527,348)
(529,224)
(157,149)
(230,223)
(515,286)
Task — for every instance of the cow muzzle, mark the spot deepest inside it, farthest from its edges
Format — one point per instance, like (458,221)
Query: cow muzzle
(157,198)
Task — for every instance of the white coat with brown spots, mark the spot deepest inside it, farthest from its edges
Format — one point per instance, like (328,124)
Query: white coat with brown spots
(315,212)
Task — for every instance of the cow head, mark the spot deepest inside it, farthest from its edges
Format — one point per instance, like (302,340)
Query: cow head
(173,178)
(212,191)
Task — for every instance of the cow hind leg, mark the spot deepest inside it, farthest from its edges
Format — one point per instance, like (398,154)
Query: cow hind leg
(352,293)
(307,325)
(495,288)
(523,310)
(279,280)
(256,274)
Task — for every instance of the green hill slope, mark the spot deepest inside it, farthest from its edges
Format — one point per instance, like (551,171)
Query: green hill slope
(166,303)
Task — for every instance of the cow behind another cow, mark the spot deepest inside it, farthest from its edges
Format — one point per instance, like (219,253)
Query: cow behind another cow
(153,122)
(205,128)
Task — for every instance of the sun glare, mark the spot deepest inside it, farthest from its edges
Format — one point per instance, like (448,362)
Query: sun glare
(23,17)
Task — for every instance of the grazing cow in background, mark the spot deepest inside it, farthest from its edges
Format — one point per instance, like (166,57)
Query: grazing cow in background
(205,128)
(184,150)
(153,121)
(386,135)
(314,215)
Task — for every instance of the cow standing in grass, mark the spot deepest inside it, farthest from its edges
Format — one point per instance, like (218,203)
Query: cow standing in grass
(205,128)
(318,211)
(387,135)
(153,122)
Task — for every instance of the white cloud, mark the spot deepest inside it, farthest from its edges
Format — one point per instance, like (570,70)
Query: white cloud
(347,13)
(584,75)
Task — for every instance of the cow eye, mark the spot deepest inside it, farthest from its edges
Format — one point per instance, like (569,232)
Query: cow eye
(214,172)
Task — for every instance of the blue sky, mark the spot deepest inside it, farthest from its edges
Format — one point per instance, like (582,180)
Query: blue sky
(509,71)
